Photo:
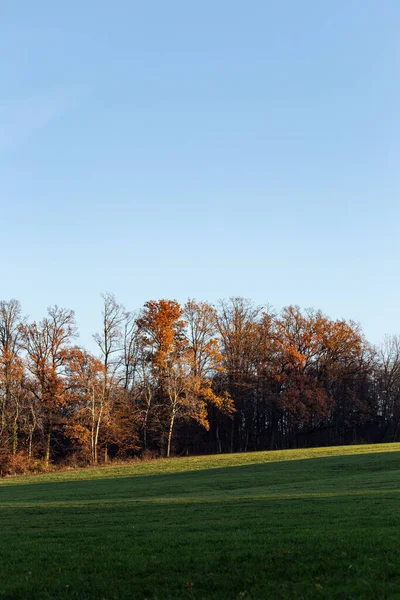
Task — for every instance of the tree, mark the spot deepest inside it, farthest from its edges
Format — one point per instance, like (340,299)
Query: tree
(205,361)
(388,387)
(86,400)
(183,354)
(238,321)
(235,377)
(11,370)
(303,396)
(131,351)
(110,343)
(162,331)
(47,345)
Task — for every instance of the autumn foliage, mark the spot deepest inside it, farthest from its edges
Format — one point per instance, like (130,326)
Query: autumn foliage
(189,379)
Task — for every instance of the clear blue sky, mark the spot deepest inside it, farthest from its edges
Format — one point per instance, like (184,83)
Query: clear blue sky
(203,149)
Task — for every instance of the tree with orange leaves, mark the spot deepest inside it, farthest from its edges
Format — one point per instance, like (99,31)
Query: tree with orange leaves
(86,399)
(315,354)
(162,330)
(182,354)
(47,345)
(205,361)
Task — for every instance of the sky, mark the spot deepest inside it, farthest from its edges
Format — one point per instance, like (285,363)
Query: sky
(201,149)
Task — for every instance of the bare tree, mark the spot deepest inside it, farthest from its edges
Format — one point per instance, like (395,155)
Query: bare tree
(388,383)
(110,343)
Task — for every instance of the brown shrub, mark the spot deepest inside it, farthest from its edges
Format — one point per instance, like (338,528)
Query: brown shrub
(148,455)
(17,464)
(39,466)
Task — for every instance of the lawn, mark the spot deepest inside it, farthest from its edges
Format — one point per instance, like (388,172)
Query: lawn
(319,523)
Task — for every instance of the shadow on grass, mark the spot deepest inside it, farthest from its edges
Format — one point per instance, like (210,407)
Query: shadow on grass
(332,476)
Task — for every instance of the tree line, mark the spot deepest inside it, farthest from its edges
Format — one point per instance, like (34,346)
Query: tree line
(189,379)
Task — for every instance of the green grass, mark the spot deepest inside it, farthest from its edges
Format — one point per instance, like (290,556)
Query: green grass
(319,523)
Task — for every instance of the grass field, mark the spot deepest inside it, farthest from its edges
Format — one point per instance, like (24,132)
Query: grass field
(320,523)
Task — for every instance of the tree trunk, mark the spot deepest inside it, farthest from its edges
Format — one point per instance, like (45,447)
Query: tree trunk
(48,441)
(94,453)
(15,438)
(146,417)
(30,444)
(171,427)
(96,437)
(92,431)
(3,415)
(219,448)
